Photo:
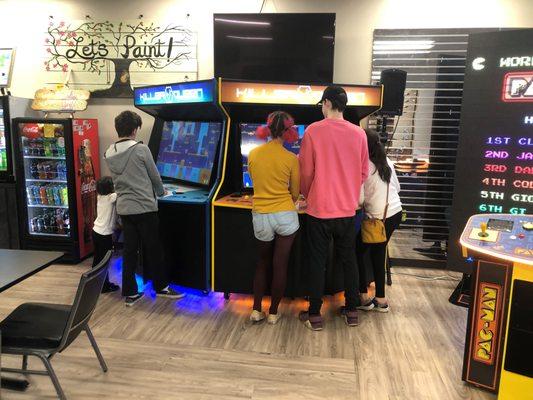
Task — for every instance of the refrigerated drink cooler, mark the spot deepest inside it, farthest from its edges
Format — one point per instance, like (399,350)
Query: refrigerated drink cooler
(57,167)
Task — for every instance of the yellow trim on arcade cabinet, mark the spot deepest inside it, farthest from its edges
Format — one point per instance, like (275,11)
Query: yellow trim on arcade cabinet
(381,104)
(514,386)
(228,124)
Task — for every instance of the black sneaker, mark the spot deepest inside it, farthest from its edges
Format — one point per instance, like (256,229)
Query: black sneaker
(367,306)
(170,293)
(110,287)
(350,317)
(131,300)
(380,307)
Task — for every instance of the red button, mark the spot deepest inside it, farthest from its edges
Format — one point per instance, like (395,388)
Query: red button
(521,235)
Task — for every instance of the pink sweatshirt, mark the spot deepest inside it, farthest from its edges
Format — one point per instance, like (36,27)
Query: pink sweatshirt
(333,166)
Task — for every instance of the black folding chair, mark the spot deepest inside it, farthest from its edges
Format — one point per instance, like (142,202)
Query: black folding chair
(42,330)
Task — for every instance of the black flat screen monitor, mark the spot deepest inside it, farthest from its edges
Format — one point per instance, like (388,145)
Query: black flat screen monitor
(250,141)
(187,150)
(275,47)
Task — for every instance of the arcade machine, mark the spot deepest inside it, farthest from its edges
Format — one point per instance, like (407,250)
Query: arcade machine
(187,144)
(248,104)
(495,149)
(498,347)
(57,166)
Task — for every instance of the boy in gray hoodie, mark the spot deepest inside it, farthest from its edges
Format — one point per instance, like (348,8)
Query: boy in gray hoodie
(137,184)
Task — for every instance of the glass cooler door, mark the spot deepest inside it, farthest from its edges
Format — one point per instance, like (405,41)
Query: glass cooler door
(45,178)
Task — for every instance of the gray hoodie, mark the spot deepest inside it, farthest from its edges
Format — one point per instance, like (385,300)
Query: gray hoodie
(137,181)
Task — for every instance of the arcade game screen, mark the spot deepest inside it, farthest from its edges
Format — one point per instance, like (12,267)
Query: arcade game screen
(495,152)
(188,149)
(249,142)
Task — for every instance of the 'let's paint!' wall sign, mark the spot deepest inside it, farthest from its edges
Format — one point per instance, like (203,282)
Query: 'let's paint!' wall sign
(109,57)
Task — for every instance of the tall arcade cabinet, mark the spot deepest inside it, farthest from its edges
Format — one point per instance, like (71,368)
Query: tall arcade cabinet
(57,167)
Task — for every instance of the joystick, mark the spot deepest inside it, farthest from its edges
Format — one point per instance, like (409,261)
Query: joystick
(483,233)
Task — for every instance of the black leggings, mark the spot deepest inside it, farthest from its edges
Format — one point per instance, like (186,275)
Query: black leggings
(272,255)
(377,253)
(102,244)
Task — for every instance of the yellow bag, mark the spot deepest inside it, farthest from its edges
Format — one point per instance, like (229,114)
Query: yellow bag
(373,229)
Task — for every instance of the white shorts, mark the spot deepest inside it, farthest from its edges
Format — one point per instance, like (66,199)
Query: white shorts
(266,226)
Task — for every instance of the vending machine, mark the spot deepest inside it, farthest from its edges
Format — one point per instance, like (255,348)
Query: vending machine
(57,166)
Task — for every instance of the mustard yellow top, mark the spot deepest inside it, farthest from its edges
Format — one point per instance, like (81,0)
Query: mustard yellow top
(275,175)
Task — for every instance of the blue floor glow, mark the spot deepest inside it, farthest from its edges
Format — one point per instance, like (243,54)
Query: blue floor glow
(193,303)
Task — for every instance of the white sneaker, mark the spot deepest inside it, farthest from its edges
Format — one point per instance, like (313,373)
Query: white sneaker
(273,318)
(257,316)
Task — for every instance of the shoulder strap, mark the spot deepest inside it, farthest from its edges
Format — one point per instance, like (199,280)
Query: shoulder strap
(386,203)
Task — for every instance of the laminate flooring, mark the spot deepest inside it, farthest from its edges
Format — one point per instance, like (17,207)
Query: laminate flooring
(203,347)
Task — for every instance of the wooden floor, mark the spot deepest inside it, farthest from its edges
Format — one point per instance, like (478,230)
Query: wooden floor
(205,348)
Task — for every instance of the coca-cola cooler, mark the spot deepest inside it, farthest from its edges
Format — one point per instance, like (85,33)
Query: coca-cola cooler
(57,165)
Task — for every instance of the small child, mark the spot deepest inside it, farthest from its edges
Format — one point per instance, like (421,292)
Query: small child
(104,225)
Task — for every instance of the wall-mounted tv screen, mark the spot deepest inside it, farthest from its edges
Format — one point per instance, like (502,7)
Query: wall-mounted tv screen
(250,141)
(188,149)
(275,47)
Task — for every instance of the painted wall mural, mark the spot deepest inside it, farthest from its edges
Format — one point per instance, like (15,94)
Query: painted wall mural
(109,58)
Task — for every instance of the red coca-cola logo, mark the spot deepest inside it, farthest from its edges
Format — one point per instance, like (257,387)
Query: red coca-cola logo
(30,130)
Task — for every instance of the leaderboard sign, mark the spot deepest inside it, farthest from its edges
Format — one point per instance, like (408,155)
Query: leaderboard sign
(494,169)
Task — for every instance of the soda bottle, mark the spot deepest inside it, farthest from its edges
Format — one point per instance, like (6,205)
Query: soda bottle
(46,223)
(66,219)
(40,170)
(47,170)
(27,146)
(36,195)
(29,192)
(42,195)
(33,227)
(50,195)
(47,148)
(59,167)
(39,224)
(38,147)
(61,146)
(53,148)
(64,195)
(33,170)
(60,223)
(57,196)
(53,223)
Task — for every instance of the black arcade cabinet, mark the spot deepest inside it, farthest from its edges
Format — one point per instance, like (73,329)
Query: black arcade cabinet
(187,144)
(248,105)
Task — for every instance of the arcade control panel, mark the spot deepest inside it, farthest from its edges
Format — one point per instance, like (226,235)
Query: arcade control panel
(504,236)
(244,200)
(184,194)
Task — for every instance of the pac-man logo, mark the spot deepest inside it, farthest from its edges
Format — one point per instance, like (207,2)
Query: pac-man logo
(518,87)
(478,63)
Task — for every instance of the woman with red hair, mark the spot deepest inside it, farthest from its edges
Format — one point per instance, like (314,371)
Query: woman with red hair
(276,179)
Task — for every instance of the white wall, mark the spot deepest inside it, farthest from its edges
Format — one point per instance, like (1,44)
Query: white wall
(23,23)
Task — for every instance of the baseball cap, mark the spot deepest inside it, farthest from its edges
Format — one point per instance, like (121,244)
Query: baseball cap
(336,94)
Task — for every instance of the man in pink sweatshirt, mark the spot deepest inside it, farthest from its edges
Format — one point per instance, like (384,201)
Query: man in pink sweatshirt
(333,167)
